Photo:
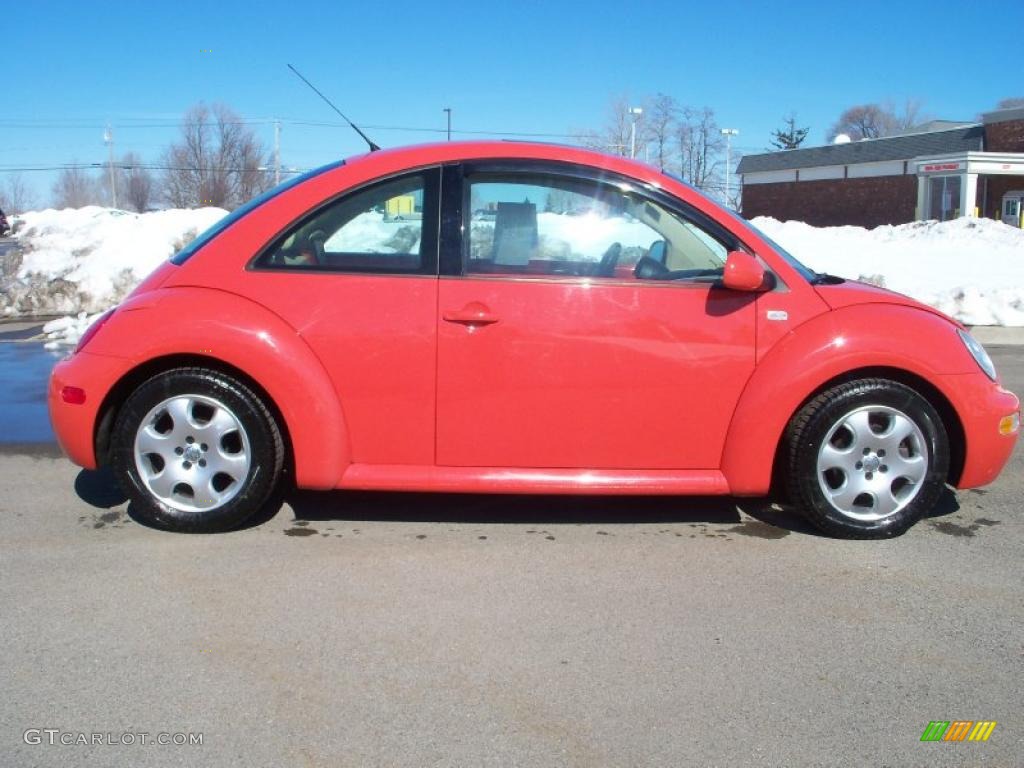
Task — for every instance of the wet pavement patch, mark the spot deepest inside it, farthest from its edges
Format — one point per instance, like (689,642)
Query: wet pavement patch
(759,530)
(300,531)
(953,529)
(24,374)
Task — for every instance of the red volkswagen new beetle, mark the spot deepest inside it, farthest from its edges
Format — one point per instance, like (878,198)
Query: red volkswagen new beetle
(521,318)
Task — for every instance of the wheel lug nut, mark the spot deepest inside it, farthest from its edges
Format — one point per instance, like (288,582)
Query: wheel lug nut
(881,453)
(867,451)
(179,450)
(859,464)
(883,468)
(868,475)
(189,440)
(187,464)
(204,446)
(202,462)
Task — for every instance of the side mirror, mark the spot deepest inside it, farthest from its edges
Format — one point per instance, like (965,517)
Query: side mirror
(744,273)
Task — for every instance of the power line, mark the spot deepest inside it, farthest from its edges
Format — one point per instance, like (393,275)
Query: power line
(47,123)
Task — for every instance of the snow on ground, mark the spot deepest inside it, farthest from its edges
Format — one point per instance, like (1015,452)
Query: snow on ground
(87,259)
(972,269)
(79,262)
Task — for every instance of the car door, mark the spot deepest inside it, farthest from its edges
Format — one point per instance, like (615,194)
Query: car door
(582,325)
(357,279)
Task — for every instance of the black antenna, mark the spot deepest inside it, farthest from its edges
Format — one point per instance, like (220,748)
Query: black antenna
(373,147)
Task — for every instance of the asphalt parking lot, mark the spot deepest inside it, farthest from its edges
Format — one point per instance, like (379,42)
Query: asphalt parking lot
(407,630)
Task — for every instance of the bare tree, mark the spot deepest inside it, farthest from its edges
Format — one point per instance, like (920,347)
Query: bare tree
(15,196)
(137,183)
(75,188)
(216,162)
(700,147)
(864,121)
(873,121)
(615,137)
(661,130)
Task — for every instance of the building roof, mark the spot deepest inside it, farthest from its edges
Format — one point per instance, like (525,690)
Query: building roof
(1002,115)
(967,138)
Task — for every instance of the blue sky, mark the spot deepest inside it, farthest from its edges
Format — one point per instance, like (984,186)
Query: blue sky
(544,67)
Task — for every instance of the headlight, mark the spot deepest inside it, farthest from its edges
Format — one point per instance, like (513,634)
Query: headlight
(978,353)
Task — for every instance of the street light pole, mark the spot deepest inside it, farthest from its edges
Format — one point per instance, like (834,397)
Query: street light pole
(635,112)
(448,110)
(277,152)
(108,139)
(728,133)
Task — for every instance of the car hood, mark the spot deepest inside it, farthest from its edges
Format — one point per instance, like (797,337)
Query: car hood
(851,292)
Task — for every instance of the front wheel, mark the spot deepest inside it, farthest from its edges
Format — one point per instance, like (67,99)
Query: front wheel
(196,451)
(867,459)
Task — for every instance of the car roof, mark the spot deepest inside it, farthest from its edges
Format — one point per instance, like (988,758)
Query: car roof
(453,151)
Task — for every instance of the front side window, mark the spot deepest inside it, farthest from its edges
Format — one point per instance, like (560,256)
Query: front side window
(548,225)
(377,229)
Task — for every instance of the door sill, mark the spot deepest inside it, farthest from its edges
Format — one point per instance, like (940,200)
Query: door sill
(408,477)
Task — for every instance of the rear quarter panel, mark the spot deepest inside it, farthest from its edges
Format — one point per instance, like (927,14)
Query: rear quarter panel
(215,324)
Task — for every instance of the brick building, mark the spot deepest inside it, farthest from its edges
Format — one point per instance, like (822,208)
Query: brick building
(940,170)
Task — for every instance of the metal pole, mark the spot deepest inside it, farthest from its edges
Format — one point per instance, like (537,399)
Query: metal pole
(108,137)
(728,133)
(635,112)
(448,110)
(277,152)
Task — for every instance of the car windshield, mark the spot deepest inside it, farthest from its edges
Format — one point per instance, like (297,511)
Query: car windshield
(189,250)
(806,272)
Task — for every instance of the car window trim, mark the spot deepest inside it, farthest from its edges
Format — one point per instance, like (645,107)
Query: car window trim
(428,235)
(453,260)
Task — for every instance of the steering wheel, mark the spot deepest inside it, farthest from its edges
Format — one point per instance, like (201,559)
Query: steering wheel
(317,238)
(609,260)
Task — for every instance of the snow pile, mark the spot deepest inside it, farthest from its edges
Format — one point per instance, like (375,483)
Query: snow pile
(68,330)
(972,269)
(87,259)
(79,262)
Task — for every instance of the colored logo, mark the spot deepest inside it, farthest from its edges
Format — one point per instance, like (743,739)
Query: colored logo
(958,730)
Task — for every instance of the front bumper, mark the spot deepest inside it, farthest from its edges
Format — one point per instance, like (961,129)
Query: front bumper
(981,406)
(75,424)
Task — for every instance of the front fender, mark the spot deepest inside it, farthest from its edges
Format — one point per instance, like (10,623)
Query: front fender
(245,335)
(855,337)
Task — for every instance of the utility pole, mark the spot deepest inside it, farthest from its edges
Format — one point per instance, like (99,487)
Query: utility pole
(277,152)
(728,133)
(108,139)
(449,111)
(635,112)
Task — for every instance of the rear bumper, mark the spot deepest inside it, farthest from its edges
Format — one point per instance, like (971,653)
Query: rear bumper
(75,424)
(981,405)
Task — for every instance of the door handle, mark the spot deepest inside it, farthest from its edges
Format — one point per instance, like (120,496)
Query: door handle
(472,314)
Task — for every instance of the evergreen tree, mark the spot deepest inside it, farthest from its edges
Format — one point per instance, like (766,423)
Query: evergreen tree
(789,136)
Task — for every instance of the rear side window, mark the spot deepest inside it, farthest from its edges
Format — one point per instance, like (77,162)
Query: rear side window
(185,253)
(388,227)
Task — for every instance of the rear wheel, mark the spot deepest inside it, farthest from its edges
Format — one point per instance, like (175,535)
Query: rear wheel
(196,450)
(867,459)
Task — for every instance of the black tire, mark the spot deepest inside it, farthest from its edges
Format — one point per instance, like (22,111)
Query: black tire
(814,423)
(264,451)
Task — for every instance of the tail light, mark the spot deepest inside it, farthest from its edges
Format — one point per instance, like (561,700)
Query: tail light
(92,330)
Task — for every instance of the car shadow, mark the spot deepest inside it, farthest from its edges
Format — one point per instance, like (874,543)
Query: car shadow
(768,519)
(99,488)
(386,506)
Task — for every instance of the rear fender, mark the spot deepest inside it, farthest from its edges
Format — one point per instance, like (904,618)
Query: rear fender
(204,322)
